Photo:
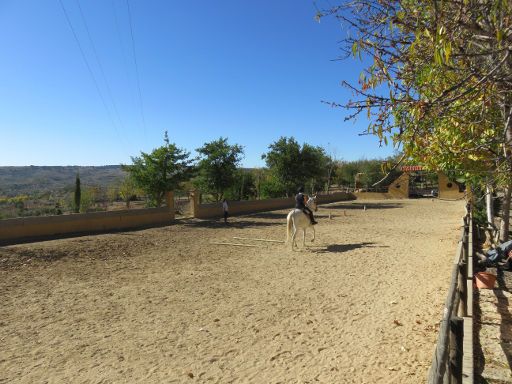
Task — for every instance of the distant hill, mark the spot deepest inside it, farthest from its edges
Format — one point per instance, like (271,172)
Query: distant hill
(36,180)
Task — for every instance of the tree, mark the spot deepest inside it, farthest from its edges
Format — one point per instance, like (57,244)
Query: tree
(332,164)
(292,165)
(243,187)
(217,166)
(439,84)
(365,172)
(258,175)
(77,195)
(160,171)
(112,193)
(127,190)
(345,172)
(87,199)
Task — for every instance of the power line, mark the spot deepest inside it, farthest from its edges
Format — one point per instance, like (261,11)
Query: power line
(133,95)
(100,66)
(88,67)
(136,67)
(121,44)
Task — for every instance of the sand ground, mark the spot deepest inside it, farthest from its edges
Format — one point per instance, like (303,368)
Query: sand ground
(164,305)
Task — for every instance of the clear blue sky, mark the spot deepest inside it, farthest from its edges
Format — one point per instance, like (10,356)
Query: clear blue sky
(251,71)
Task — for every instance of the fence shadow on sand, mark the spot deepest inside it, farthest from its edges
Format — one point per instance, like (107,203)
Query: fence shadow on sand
(232,223)
(361,205)
(280,215)
(269,215)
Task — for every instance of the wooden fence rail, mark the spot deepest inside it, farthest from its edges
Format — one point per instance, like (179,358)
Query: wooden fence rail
(453,357)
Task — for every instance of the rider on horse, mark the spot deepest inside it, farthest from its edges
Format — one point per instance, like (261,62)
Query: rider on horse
(300,204)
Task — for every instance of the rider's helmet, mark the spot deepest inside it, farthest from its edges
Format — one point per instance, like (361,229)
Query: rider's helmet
(300,190)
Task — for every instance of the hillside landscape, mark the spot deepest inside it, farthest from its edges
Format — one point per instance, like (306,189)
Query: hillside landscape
(37,180)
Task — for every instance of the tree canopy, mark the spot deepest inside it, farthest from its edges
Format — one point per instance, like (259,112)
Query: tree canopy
(217,167)
(160,171)
(439,85)
(440,82)
(294,165)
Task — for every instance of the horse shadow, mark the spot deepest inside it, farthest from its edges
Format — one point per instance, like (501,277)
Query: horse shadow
(340,248)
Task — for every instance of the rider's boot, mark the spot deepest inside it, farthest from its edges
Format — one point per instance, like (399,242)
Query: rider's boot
(313,221)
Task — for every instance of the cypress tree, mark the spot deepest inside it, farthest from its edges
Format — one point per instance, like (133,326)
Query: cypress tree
(78,193)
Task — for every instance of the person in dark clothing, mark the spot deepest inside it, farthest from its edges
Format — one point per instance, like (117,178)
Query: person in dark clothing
(300,204)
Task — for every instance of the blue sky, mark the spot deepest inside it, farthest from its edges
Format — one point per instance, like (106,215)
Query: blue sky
(251,71)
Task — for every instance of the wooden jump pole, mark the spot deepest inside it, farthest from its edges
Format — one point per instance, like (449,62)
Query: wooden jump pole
(237,244)
(249,238)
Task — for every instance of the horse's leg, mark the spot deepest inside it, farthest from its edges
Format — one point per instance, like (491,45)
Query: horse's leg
(294,233)
(313,228)
(288,227)
(304,237)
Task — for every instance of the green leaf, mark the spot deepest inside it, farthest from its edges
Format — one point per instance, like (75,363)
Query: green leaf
(437,57)
(447,51)
(499,35)
(354,49)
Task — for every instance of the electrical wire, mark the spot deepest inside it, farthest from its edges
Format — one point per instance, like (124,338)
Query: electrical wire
(136,67)
(118,31)
(109,92)
(88,67)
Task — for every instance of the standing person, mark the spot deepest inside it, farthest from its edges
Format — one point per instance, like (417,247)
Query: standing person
(225,209)
(299,204)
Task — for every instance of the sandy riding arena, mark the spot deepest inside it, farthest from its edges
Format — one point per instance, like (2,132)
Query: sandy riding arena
(360,305)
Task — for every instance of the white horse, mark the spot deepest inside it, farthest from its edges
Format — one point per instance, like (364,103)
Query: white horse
(297,219)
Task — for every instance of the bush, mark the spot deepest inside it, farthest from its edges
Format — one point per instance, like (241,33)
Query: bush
(271,188)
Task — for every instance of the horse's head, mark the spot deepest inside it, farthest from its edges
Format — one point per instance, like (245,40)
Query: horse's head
(311,203)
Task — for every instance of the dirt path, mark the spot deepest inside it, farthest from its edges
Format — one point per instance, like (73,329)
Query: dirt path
(165,306)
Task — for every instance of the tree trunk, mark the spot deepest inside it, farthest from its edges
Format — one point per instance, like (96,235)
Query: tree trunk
(489,205)
(505,222)
(329,174)
(258,181)
(242,188)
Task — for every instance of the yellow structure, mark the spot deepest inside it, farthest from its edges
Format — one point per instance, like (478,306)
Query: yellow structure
(448,189)
(399,189)
(35,228)
(212,210)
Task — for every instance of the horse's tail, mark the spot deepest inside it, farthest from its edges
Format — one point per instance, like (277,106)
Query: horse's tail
(289,223)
